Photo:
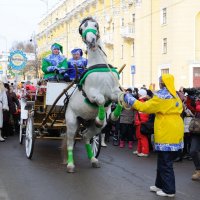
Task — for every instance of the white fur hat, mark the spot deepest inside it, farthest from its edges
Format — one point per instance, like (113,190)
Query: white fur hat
(142,93)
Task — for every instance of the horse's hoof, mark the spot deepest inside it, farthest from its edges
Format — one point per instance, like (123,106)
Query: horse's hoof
(70,169)
(96,165)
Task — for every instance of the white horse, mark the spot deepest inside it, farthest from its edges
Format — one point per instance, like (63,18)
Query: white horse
(99,86)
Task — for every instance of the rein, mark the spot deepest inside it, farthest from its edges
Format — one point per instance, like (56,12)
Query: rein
(121,101)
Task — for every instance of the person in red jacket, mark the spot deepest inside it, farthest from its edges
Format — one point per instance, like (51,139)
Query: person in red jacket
(143,143)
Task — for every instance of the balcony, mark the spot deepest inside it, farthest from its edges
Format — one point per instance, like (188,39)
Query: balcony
(107,39)
(128,31)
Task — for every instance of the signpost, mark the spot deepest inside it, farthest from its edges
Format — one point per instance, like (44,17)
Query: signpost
(17,62)
(132,69)
(133,73)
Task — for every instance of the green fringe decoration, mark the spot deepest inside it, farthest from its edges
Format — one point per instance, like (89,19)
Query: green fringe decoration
(101,113)
(118,110)
(89,151)
(70,157)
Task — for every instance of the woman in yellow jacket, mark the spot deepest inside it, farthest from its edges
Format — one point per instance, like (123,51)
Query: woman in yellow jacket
(168,131)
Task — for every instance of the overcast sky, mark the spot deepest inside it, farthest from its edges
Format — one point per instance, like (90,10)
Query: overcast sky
(19,18)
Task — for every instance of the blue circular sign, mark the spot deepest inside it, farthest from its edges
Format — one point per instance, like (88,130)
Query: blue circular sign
(17,60)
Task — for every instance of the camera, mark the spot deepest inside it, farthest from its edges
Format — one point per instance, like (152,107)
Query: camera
(194,93)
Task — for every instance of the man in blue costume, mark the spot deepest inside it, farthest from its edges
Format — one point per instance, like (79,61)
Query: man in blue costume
(77,60)
(55,65)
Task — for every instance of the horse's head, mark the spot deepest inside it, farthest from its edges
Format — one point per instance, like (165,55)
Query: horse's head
(89,31)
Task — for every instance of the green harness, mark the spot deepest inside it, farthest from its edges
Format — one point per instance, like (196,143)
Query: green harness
(82,80)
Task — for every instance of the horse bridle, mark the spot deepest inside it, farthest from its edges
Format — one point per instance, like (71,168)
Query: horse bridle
(83,34)
(96,32)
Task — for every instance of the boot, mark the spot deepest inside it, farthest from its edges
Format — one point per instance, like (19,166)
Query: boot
(121,144)
(196,175)
(130,144)
(103,144)
(1,138)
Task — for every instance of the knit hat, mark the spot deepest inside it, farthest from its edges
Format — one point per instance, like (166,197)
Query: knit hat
(57,46)
(77,50)
(142,93)
(129,90)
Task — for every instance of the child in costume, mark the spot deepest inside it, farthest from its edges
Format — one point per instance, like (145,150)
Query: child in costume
(77,60)
(55,65)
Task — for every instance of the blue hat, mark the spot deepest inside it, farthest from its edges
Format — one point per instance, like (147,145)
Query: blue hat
(77,50)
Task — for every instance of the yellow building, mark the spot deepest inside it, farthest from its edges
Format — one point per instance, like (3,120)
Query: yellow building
(152,36)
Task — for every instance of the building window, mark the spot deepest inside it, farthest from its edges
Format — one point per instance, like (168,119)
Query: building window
(111,3)
(122,51)
(113,27)
(133,19)
(122,21)
(164,16)
(165,71)
(138,2)
(164,46)
(133,50)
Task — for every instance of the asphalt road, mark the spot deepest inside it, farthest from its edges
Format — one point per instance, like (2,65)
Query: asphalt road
(122,176)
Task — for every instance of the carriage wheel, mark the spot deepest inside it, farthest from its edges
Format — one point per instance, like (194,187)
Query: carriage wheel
(21,132)
(30,137)
(96,144)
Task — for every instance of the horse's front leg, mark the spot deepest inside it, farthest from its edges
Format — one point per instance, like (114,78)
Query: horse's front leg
(96,97)
(90,132)
(114,116)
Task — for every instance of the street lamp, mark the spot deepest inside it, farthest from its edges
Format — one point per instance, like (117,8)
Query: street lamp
(47,4)
(33,39)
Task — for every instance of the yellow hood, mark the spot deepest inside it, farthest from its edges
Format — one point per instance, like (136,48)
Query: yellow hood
(168,80)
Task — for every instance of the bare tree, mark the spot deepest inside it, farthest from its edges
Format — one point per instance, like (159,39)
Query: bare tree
(27,47)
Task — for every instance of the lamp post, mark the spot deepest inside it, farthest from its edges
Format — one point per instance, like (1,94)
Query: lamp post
(33,39)
(47,4)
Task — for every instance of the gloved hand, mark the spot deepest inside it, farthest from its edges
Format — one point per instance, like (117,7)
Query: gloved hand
(66,77)
(52,68)
(129,99)
(62,71)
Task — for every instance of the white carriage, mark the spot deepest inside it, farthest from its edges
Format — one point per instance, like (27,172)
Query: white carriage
(43,115)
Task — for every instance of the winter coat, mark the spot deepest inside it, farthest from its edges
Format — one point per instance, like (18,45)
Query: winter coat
(3,106)
(13,102)
(53,60)
(81,65)
(187,119)
(127,116)
(168,125)
(143,116)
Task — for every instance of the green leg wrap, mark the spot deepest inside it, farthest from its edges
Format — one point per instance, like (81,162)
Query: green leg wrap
(70,158)
(101,113)
(118,110)
(89,151)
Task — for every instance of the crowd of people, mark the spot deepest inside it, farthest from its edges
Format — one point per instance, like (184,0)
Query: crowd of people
(9,111)
(169,110)
(171,113)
